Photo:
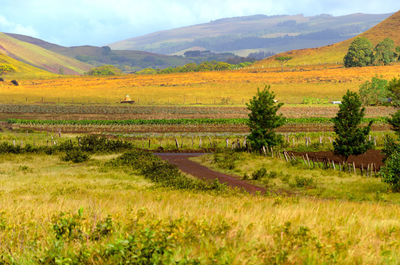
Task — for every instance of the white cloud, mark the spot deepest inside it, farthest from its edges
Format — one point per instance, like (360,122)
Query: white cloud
(75,22)
(8,26)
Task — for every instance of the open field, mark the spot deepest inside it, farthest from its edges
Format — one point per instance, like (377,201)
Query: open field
(113,211)
(204,88)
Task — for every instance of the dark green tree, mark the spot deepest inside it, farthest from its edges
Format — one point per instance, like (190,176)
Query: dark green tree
(360,53)
(374,92)
(394,121)
(351,138)
(398,53)
(394,91)
(390,173)
(384,52)
(263,119)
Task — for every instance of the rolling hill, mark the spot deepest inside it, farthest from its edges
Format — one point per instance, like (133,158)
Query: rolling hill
(39,57)
(244,35)
(127,60)
(334,54)
(23,70)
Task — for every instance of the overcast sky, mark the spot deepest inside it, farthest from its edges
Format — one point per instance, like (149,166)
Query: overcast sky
(100,22)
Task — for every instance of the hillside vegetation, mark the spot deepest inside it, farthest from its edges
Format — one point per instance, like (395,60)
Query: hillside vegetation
(39,57)
(22,70)
(334,54)
(126,60)
(244,35)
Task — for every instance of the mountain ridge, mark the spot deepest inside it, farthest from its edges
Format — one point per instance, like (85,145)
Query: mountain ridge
(261,32)
(334,54)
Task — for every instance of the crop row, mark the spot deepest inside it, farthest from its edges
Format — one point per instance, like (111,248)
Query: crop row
(85,109)
(176,121)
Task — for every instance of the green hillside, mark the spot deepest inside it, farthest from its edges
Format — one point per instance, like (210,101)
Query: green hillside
(22,70)
(40,57)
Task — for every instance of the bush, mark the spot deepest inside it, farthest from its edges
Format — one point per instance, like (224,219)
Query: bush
(390,173)
(374,92)
(259,174)
(6,68)
(226,160)
(303,182)
(75,156)
(104,70)
(161,172)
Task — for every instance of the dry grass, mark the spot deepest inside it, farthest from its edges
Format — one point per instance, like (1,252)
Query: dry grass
(36,188)
(215,88)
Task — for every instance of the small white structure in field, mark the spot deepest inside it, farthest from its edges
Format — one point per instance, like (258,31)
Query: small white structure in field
(128,100)
(336,102)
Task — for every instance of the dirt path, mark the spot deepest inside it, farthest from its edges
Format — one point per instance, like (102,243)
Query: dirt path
(184,164)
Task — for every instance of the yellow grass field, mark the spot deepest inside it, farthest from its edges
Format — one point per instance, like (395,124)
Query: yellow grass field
(215,88)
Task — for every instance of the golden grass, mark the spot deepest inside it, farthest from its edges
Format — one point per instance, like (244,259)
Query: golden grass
(219,88)
(35,188)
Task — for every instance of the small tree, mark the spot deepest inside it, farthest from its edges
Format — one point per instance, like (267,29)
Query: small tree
(394,91)
(394,121)
(374,92)
(351,139)
(384,52)
(360,53)
(283,60)
(390,173)
(263,119)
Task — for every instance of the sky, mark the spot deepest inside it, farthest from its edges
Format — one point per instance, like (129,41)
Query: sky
(101,22)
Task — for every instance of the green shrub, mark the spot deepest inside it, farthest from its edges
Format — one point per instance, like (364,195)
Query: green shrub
(304,182)
(68,226)
(226,160)
(75,156)
(259,174)
(104,70)
(161,172)
(390,173)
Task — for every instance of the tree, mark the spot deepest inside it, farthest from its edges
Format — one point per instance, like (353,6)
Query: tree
(351,139)
(374,92)
(6,68)
(394,121)
(360,53)
(390,173)
(394,91)
(283,60)
(397,53)
(263,119)
(384,52)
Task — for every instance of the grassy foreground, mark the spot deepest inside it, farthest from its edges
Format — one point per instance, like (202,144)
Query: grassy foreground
(56,212)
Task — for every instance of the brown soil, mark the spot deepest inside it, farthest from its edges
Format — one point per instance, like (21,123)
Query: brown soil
(187,166)
(370,157)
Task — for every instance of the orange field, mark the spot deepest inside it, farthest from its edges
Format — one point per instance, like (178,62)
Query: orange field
(205,88)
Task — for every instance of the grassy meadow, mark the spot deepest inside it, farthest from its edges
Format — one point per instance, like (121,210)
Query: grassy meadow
(94,212)
(204,88)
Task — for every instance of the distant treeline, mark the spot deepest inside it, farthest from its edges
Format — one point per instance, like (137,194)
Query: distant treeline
(193,67)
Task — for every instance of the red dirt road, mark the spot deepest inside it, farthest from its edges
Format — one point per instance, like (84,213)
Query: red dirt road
(184,164)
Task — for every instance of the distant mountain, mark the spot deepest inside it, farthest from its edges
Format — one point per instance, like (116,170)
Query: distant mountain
(127,60)
(244,35)
(39,57)
(389,28)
